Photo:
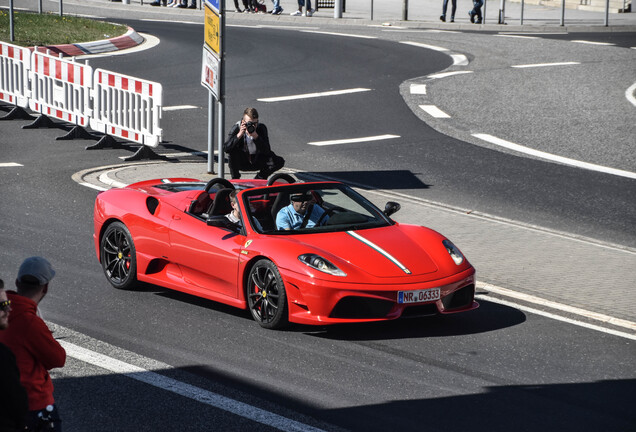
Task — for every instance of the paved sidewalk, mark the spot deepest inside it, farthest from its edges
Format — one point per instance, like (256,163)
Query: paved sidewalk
(574,272)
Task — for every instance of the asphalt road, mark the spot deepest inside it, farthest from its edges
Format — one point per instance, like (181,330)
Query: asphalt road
(496,368)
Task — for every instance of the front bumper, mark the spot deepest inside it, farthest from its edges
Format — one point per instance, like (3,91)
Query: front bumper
(313,301)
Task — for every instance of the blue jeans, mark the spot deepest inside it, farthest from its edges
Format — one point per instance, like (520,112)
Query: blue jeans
(477,4)
(453,8)
(276,4)
(301,3)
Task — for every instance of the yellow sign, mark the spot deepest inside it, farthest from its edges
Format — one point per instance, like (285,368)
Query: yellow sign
(212,30)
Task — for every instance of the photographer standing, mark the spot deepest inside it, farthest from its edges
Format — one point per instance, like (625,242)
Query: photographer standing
(248,148)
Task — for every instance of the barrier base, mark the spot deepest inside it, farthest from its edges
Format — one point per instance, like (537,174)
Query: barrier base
(144,153)
(41,122)
(77,132)
(17,113)
(106,141)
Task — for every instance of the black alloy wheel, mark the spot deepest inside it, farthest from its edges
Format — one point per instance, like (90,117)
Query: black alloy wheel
(266,295)
(118,256)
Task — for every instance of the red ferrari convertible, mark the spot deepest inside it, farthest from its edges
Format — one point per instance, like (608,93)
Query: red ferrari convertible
(310,253)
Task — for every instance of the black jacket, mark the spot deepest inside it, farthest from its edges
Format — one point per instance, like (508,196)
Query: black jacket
(13,397)
(233,143)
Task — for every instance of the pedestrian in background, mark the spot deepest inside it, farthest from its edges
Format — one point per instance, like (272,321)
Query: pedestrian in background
(13,397)
(32,343)
(453,9)
(301,4)
(476,12)
(277,9)
(247,147)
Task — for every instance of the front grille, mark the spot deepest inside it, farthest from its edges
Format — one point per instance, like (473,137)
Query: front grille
(361,308)
(420,310)
(459,299)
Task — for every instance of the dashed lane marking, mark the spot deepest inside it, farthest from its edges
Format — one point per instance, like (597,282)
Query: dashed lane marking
(10,164)
(313,95)
(418,89)
(178,107)
(545,65)
(551,157)
(447,74)
(186,390)
(459,60)
(433,111)
(353,140)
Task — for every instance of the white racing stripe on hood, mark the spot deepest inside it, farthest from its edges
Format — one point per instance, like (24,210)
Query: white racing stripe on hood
(380,250)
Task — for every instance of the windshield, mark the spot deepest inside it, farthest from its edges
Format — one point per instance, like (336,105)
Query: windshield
(310,208)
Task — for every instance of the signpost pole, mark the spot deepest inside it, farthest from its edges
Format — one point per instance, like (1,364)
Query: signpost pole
(221,125)
(211,133)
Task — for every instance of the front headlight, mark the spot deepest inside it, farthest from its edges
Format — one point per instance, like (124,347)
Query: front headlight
(453,251)
(319,263)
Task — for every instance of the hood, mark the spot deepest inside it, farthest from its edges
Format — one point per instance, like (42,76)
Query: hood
(383,252)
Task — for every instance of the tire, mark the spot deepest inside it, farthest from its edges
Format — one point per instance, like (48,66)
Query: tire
(266,296)
(118,256)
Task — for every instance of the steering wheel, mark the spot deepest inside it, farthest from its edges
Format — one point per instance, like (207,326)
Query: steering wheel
(282,176)
(218,180)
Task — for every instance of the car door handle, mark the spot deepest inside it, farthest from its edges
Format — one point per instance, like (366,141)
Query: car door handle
(175,217)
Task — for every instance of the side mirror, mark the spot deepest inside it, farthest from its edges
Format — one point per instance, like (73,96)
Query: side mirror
(391,207)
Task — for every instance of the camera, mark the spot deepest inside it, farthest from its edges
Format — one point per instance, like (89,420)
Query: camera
(251,127)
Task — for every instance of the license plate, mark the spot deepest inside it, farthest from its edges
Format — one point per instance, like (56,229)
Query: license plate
(418,296)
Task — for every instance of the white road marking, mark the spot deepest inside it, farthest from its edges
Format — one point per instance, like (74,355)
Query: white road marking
(10,164)
(545,64)
(459,60)
(558,306)
(516,36)
(551,157)
(186,390)
(417,31)
(629,94)
(178,107)
(339,34)
(557,317)
(433,111)
(421,45)
(418,89)
(103,178)
(353,140)
(92,186)
(313,95)
(593,43)
(447,74)
(180,154)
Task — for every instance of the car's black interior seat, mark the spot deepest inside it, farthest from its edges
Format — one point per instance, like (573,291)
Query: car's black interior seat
(221,204)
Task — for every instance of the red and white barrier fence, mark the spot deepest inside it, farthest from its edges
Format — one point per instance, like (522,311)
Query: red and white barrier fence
(127,107)
(15,63)
(61,88)
(111,103)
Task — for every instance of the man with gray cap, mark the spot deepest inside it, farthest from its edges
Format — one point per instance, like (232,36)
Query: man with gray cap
(32,342)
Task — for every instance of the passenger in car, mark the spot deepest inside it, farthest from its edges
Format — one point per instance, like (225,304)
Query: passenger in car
(302,212)
(235,215)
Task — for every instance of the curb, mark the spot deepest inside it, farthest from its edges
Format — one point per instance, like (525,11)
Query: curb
(128,40)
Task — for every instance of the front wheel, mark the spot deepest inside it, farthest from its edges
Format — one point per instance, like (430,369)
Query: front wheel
(119,257)
(266,295)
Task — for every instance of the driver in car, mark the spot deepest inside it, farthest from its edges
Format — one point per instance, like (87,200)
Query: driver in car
(302,212)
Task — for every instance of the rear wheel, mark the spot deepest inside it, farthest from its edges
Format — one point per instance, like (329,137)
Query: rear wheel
(266,296)
(118,256)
